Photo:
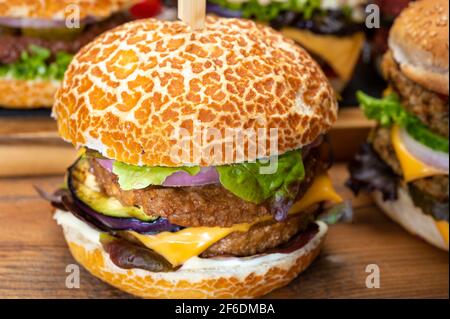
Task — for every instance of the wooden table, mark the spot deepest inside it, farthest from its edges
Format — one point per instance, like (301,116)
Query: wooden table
(33,254)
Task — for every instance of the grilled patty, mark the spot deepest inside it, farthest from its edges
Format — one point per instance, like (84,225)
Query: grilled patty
(12,45)
(431,108)
(210,205)
(436,187)
(261,237)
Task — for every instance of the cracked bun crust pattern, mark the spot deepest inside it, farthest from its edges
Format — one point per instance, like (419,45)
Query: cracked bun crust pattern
(419,41)
(58,10)
(130,90)
(24,94)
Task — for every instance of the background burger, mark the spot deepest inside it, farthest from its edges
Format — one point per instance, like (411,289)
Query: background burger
(331,30)
(389,11)
(406,162)
(155,227)
(36,46)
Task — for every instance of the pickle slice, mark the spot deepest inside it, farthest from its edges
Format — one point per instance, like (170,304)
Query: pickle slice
(85,187)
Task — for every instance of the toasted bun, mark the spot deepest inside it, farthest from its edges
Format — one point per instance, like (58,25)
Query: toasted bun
(127,93)
(419,42)
(227,277)
(412,218)
(60,9)
(24,94)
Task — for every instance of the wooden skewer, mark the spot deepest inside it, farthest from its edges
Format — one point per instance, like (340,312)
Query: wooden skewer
(192,12)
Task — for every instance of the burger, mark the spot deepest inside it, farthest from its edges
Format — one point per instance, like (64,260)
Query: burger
(389,10)
(152,219)
(405,163)
(38,39)
(331,30)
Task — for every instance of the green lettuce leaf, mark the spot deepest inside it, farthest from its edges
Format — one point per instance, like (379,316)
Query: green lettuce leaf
(389,111)
(253,9)
(138,177)
(246,181)
(34,64)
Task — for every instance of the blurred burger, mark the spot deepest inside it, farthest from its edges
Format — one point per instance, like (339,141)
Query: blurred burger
(331,30)
(389,12)
(406,162)
(206,227)
(38,40)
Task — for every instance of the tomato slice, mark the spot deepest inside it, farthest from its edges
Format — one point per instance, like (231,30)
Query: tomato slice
(146,9)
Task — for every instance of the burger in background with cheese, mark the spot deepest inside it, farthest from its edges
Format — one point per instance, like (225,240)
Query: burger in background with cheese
(38,40)
(204,227)
(331,30)
(406,161)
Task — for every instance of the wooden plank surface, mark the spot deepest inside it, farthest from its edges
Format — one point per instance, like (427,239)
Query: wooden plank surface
(31,146)
(33,254)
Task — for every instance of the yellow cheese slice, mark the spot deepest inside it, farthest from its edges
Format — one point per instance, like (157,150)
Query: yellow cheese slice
(321,190)
(442,226)
(412,168)
(341,53)
(180,246)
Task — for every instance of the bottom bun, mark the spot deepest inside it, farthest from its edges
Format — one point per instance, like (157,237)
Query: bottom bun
(24,94)
(411,217)
(219,277)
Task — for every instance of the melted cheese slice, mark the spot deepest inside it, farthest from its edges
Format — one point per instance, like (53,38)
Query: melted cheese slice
(180,246)
(341,53)
(442,226)
(412,167)
(187,243)
(321,190)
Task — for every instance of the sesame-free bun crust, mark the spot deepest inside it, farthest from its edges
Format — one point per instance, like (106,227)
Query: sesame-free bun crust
(419,41)
(412,218)
(227,277)
(59,10)
(130,90)
(24,94)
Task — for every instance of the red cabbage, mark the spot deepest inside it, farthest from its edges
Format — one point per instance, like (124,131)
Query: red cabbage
(370,173)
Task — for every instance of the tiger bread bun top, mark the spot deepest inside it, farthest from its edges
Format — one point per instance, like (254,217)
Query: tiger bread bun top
(419,42)
(129,92)
(61,9)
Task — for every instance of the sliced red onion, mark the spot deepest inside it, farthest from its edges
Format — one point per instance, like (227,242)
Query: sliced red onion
(39,23)
(206,176)
(425,154)
(50,197)
(106,163)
